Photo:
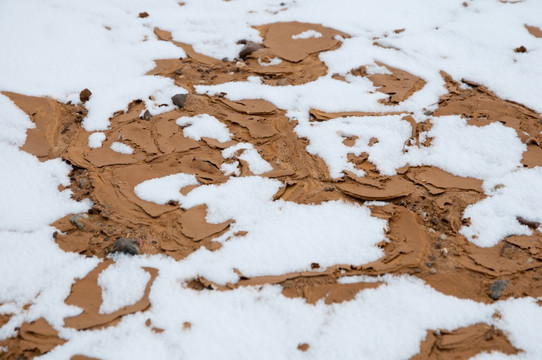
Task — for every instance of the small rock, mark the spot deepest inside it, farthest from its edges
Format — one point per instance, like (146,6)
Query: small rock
(146,115)
(240,65)
(432,271)
(179,100)
(443,237)
(529,260)
(429,264)
(496,288)
(521,49)
(444,252)
(315,266)
(179,72)
(143,14)
(249,48)
(85,95)
(75,220)
(127,246)
(438,245)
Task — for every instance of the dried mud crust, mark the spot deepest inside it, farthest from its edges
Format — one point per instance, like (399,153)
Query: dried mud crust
(424,213)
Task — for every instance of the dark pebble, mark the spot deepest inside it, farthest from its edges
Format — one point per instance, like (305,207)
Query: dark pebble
(429,264)
(85,95)
(179,99)
(178,72)
(126,246)
(248,49)
(521,49)
(146,115)
(496,288)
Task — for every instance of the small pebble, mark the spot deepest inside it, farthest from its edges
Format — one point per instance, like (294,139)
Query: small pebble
(146,115)
(127,246)
(429,264)
(75,220)
(444,252)
(179,100)
(521,49)
(432,271)
(529,260)
(496,288)
(443,237)
(248,49)
(85,95)
(438,245)
(179,72)
(143,14)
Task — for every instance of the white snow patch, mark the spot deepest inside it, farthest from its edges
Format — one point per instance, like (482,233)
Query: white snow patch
(123,284)
(14,123)
(231,168)
(470,151)
(282,236)
(517,194)
(121,148)
(204,125)
(256,163)
(29,191)
(96,139)
(307,35)
(112,63)
(161,190)
(326,140)
(273,61)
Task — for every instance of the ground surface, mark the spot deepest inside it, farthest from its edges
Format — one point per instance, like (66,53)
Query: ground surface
(330,190)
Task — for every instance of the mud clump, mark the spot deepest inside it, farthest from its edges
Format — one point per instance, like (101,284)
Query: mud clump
(85,95)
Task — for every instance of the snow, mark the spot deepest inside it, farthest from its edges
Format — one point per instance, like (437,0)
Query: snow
(121,148)
(230,168)
(470,151)
(96,139)
(161,190)
(388,323)
(112,63)
(517,194)
(273,61)
(122,283)
(256,163)
(326,140)
(307,35)
(204,125)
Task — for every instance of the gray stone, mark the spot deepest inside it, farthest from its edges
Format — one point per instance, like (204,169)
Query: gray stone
(496,288)
(179,99)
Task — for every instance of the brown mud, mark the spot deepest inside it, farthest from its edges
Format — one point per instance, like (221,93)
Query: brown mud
(424,213)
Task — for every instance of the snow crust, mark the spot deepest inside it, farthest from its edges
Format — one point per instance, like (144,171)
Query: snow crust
(161,190)
(517,194)
(204,125)
(256,163)
(34,272)
(307,35)
(122,284)
(121,148)
(96,139)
